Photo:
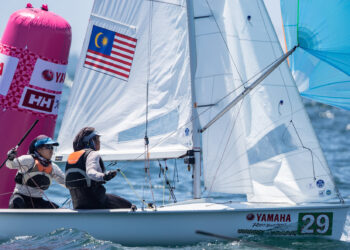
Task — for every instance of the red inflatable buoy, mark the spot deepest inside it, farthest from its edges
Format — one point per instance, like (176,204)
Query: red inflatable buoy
(34,53)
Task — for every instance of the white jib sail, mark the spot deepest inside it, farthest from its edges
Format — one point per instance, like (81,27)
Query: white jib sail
(129,45)
(265,146)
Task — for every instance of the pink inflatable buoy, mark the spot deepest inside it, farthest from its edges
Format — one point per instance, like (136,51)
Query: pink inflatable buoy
(34,53)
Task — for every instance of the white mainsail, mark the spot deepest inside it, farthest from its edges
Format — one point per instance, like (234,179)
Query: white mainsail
(265,146)
(109,93)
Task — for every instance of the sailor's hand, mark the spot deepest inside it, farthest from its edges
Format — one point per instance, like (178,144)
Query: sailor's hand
(12,154)
(109,175)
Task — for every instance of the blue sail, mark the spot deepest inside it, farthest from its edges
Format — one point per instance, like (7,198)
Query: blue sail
(321,64)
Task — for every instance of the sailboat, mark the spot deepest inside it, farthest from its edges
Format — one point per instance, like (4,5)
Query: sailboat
(206,81)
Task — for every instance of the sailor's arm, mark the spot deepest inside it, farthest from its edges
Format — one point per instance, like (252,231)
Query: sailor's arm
(57,174)
(22,163)
(93,168)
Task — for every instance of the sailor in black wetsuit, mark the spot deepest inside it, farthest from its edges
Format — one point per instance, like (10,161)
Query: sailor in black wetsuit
(85,174)
(35,172)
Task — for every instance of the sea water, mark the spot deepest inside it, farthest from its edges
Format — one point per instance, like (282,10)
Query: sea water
(332,127)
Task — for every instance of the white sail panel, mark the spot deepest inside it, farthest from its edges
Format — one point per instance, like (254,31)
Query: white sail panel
(265,146)
(110,86)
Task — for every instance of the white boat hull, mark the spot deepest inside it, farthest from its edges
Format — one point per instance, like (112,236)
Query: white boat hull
(177,225)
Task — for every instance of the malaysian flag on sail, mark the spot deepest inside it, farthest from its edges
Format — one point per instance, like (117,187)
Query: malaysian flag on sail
(110,52)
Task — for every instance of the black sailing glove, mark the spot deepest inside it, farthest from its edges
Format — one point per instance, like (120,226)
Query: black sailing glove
(109,175)
(12,154)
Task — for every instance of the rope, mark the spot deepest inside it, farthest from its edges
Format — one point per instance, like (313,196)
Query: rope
(38,187)
(132,188)
(167,182)
(302,145)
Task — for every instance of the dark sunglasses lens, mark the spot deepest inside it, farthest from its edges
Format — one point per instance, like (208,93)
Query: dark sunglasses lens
(48,146)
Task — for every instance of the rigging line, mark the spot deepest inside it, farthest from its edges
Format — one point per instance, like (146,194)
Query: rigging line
(227,142)
(39,189)
(279,69)
(302,144)
(163,188)
(30,195)
(247,90)
(329,174)
(132,188)
(223,39)
(170,188)
(175,174)
(7,193)
(189,122)
(280,158)
(244,83)
(68,201)
(172,133)
(202,113)
(229,52)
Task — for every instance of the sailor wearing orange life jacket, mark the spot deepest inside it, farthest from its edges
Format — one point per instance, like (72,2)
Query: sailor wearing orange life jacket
(85,174)
(34,175)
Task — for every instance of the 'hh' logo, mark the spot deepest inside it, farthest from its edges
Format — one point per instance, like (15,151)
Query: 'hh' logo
(38,100)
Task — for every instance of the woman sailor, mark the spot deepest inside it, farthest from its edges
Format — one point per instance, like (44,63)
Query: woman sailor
(35,171)
(85,174)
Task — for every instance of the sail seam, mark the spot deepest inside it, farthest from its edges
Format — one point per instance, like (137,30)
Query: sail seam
(235,36)
(113,21)
(174,4)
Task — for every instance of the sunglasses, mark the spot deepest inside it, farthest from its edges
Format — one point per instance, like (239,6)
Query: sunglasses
(50,147)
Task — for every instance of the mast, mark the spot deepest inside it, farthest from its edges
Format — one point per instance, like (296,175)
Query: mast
(195,123)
